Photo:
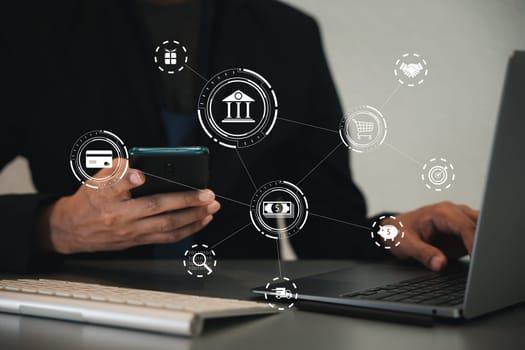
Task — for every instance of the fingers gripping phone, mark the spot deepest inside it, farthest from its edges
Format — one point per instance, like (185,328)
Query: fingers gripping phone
(170,169)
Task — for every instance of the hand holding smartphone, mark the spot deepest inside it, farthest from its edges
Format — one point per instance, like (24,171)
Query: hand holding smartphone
(162,214)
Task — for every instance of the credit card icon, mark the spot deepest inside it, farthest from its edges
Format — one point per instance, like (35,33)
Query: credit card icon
(99,159)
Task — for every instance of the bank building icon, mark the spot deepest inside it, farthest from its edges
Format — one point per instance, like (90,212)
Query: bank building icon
(238,103)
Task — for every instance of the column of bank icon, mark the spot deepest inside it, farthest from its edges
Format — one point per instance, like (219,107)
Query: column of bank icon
(240,99)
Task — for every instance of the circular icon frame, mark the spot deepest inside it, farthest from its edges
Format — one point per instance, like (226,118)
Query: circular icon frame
(170,57)
(438,174)
(274,216)
(81,159)
(414,72)
(281,292)
(381,234)
(363,129)
(196,260)
(237,131)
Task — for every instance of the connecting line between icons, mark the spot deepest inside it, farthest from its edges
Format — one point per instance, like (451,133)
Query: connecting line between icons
(318,164)
(231,235)
(305,124)
(340,221)
(246,169)
(194,188)
(388,99)
(197,73)
(404,154)
(279,257)
(396,89)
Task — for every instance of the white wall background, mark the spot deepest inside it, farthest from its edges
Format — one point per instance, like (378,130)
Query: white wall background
(452,115)
(467,44)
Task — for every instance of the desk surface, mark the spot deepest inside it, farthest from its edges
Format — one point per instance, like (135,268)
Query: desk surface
(289,330)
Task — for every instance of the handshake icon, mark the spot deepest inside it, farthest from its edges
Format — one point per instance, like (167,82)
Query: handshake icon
(411,70)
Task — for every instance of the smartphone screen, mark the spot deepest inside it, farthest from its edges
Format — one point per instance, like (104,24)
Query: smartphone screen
(170,169)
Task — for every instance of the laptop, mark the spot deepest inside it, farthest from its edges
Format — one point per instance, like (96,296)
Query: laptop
(493,278)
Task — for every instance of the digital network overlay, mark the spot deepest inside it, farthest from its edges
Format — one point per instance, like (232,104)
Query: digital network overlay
(237,108)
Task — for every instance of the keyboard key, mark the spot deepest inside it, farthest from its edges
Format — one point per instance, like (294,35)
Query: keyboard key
(438,301)
(45,291)
(452,302)
(396,297)
(381,295)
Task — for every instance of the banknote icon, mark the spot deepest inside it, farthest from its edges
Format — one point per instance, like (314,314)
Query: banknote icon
(274,209)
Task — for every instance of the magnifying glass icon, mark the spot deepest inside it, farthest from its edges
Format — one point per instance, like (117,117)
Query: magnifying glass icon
(199,259)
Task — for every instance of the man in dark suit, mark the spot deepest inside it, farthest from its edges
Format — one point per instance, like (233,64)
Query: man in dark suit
(68,67)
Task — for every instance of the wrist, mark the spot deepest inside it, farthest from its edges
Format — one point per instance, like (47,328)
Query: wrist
(42,231)
(47,221)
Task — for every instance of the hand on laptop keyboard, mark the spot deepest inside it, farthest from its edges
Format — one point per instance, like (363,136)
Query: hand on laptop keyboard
(436,233)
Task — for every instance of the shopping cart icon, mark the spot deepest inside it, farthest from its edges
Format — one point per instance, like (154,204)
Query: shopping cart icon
(364,129)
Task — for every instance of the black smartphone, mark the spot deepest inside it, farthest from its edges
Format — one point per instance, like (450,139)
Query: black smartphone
(170,169)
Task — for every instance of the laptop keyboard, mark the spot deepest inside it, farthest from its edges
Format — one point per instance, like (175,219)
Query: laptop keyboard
(443,290)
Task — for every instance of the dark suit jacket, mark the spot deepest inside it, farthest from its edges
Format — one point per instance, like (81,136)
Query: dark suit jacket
(68,67)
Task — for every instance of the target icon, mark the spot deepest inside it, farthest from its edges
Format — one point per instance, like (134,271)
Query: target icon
(438,174)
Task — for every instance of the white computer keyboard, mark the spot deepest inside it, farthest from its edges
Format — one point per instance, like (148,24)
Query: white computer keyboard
(148,310)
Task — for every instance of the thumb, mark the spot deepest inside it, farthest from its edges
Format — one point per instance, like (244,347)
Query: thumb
(120,187)
(428,255)
(118,179)
(133,178)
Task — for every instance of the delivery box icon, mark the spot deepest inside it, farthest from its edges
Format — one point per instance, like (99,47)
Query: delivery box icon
(99,159)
